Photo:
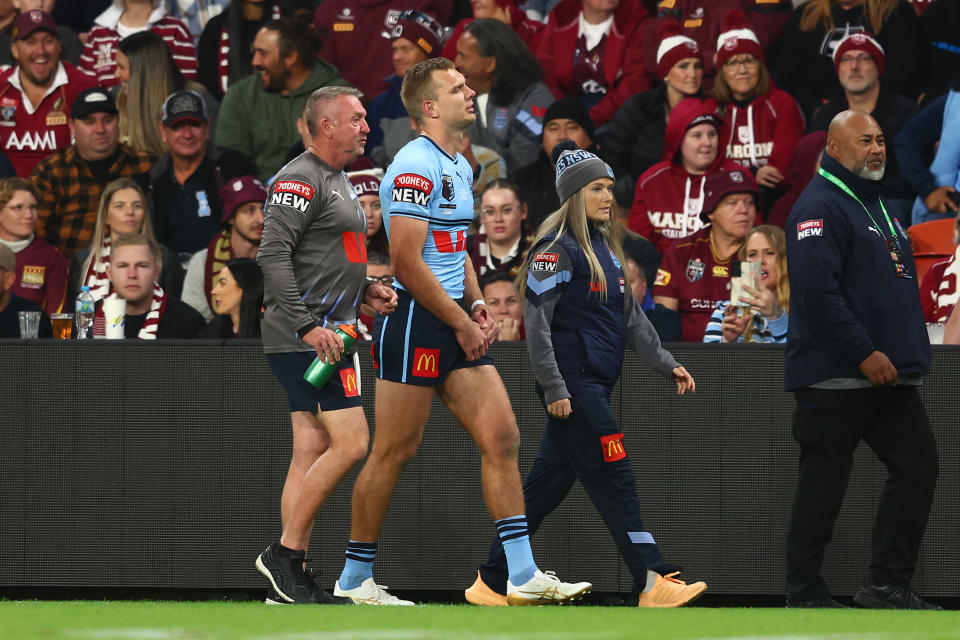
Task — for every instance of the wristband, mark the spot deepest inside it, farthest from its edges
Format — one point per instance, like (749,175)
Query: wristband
(477,303)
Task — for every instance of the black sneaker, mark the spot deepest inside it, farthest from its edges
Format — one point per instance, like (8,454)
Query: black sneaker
(891,596)
(322,596)
(820,602)
(273,598)
(286,575)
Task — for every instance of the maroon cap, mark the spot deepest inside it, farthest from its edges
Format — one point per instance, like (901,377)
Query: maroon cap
(365,184)
(240,191)
(723,183)
(27,23)
(421,29)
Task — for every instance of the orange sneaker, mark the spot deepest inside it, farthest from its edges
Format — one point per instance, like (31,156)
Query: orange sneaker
(669,591)
(479,593)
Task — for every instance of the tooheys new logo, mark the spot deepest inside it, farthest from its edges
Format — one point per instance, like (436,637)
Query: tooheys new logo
(292,193)
(409,187)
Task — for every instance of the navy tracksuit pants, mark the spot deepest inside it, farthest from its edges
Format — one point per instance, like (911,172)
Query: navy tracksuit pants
(585,446)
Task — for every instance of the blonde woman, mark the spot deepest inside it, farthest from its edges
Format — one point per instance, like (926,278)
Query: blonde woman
(579,315)
(805,66)
(147,75)
(765,317)
(123,209)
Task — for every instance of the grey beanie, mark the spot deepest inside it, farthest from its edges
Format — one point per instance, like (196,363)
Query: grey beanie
(576,168)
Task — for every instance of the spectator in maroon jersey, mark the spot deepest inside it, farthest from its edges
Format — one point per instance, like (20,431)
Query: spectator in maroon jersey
(11,304)
(41,269)
(125,18)
(695,271)
(670,195)
(679,64)
(803,166)
(507,12)
(594,49)
(764,123)
(357,36)
(69,42)
(36,94)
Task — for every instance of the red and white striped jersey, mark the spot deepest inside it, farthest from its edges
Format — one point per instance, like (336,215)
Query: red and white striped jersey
(100,52)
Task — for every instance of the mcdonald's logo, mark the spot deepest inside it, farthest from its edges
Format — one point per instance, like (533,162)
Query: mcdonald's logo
(425,363)
(349,379)
(613,447)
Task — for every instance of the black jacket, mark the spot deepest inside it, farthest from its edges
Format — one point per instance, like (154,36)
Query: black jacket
(846,299)
(10,318)
(633,141)
(891,112)
(941,33)
(804,66)
(219,166)
(538,181)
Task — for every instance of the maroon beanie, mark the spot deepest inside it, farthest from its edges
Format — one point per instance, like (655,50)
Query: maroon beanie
(860,41)
(240,191)
(674,46)
(365,184)
(723,183)
(421,29)
(737,38)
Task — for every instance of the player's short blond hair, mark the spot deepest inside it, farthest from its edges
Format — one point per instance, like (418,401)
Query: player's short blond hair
(419,85)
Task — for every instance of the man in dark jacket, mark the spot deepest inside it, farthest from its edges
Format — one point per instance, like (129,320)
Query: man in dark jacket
(565,119)
(185,182)
(857,351)
(860,60)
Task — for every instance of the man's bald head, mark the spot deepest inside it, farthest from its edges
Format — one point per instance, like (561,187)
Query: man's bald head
(856,141)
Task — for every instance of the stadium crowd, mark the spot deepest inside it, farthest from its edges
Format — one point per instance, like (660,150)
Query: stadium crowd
(146,147)
(200,104)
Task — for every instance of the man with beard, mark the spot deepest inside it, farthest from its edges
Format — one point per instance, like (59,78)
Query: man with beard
(857,351)
(36,94)
(259,113)
(242,223)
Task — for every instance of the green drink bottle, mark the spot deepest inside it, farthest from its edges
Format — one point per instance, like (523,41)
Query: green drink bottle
(319,372)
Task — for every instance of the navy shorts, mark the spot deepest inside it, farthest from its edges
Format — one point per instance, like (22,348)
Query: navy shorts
(340,392)
(413,346)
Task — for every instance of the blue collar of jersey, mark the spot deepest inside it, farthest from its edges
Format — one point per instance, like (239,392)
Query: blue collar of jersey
(439,148)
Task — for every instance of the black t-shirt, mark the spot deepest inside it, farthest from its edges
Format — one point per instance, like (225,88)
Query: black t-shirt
(179,321)
(10,318)
(101,168)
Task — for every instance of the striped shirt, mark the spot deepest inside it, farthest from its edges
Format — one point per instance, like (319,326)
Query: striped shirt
(764,330)
(100,52)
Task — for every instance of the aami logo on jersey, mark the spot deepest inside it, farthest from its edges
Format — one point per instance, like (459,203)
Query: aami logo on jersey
(33,141)
(809,228)
(409,187)
(349,379)
(425,363)
(292,193)
(613,447)
(544,262)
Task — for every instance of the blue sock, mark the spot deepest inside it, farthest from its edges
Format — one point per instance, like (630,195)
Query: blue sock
(516,545)
(359,564)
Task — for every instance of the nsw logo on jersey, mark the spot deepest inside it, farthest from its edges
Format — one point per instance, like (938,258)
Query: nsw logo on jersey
(446,188)
(293,193)
(412,188)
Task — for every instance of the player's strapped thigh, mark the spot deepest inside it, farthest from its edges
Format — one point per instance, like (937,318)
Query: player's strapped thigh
(413,346)
(342,391)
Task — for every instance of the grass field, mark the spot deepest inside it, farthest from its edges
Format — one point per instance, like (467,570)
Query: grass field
(108,620)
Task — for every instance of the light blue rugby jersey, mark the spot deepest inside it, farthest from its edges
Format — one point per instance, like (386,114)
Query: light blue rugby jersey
(426,183)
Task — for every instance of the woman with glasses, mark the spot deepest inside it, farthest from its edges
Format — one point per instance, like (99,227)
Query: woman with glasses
(503,240)
(764,122)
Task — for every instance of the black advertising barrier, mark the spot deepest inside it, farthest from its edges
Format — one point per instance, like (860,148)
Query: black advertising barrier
(160,465)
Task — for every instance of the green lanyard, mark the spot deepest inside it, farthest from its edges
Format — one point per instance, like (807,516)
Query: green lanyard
(843,187)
